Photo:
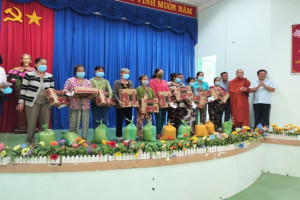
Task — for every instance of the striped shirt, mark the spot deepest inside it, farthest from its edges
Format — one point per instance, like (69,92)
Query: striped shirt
(32,84)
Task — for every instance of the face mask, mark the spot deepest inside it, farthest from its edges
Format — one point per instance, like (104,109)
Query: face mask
(177,80)
(217,83)
(160,75)
(42,68)
(100,74)
(200,78)
(80,74)
(7,90)
(192,84)
(145,82)
(126,76)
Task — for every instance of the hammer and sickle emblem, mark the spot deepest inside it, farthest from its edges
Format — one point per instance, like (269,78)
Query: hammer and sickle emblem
(15,17)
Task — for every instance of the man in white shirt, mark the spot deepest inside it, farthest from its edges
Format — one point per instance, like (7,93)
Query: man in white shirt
(2,81)
(224,84)
(262,89)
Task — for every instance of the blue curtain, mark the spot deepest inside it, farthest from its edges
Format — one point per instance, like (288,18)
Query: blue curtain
(94,40)
(136,14)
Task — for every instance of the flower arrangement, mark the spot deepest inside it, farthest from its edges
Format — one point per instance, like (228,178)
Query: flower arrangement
(17,74)
(2,151)
(288,129)
(239,137)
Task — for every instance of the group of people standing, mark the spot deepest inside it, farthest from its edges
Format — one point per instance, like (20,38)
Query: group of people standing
(33,99)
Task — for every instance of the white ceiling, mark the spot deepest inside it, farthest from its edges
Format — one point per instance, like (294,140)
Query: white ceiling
(193,2)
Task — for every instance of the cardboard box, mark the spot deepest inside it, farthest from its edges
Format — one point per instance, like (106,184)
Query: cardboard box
(102,99)
(56,97)
(129,97)
(201,100)
(184,93)
(149,105)
(164,99)
(85,93)
(221,94)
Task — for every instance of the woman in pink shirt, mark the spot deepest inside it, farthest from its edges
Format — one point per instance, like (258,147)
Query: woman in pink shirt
(158,85)
(79,108)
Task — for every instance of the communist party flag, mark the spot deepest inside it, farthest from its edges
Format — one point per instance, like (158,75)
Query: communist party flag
(25,28)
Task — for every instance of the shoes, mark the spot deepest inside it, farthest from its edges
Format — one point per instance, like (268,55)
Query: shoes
(120,139)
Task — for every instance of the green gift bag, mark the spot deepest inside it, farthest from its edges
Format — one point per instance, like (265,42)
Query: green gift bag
(130,131)
(70,137)
(227,127)
(46,136)
(184,129)
(149,132)
(100,133)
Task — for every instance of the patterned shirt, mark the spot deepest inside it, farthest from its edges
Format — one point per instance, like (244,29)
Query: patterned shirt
(77,103)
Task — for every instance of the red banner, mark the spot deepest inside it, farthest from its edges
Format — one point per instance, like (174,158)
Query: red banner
(296,48)
(25,28)
(167,6)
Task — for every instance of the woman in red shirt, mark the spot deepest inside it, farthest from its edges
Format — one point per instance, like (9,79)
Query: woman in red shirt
(158,85)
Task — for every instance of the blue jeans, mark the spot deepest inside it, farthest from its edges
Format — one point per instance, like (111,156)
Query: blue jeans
(96,111)
(160,119)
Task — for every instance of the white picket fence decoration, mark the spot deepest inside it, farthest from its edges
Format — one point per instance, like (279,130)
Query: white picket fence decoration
(84,159)
(284,136)
(109,158)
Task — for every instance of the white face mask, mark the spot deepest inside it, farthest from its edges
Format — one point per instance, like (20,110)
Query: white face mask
(144,82)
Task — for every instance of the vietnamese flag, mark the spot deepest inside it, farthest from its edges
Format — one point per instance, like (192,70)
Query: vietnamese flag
(25,28)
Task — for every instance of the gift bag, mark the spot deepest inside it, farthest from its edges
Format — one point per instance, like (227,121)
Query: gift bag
(149,105)
(200,129)
(102,99)
(149,132)
(100,133)
(130,131)
(184,130)
(57,97)
(210,127)
(129,97)
(169,132)
(227,127)
(164,99)
(184,93)
(85,92)
(70,137)
(46,136)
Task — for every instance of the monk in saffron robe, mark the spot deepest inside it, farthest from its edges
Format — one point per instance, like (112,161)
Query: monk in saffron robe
(239,93)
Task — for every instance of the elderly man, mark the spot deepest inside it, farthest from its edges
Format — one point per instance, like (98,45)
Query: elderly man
(262,89)
(239,93)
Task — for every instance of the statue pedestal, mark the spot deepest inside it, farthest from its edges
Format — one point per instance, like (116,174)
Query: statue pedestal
(20,115)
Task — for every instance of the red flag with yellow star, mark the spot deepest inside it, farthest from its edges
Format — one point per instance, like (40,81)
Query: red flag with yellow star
(25,28)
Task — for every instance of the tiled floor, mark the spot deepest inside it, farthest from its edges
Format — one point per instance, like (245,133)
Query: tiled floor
(271,187)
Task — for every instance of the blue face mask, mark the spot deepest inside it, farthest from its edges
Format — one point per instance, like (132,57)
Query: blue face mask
(192,84)
(100,74)
(42,68)
(7,90)
(80,74)
(200,78)
(178,80)
(145,82)
(217,83)
(126,76)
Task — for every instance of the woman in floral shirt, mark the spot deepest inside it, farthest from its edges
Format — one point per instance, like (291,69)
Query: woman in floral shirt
(79,108)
